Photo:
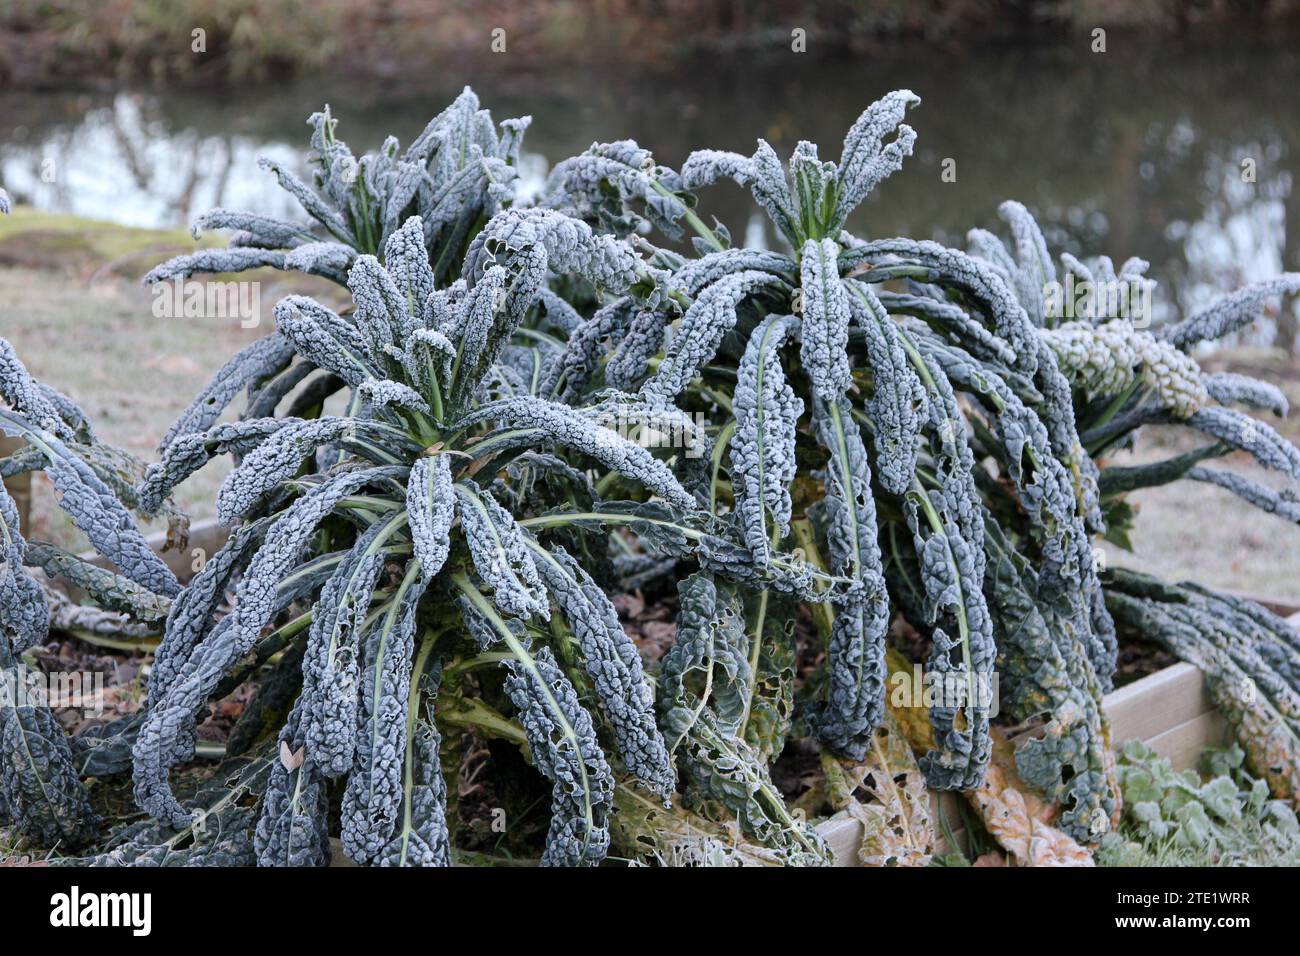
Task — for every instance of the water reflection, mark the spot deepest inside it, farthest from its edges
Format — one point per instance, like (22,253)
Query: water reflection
(1130,153)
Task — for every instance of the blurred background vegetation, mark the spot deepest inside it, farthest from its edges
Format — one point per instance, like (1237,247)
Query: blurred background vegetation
(44,42)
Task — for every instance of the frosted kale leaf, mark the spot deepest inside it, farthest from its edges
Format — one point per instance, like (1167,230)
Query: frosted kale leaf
(1250,659)
(293,828)
(1229,388)
(331,665)
(614,665)
(1284,504)
(27,397)
(500,554)
(281,455)
(856,698)
(897,395)
(95,509)
(421,837)
(24,616)
(824,326)
(187,453)
(373,798)
(430,503)
(1106,359)
(171,717)
(1260,440)
(325,339)
(41,790)
(948,530)
(1044,670)
(599,183)
(932,262)
(570,245)
(763,448)
(1230,313)
(106,588)
(530,422)
(703,702)
(708,319)
(710,657)
(1028,267)
(563,745)
(816,198)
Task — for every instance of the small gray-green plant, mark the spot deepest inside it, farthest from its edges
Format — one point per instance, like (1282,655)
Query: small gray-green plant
(1220,817)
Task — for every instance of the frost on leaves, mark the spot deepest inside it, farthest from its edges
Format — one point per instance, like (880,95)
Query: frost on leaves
(824,328)
(430,503)
(501,555)
(763,447)
(856,653)
(564,748)
(614,664)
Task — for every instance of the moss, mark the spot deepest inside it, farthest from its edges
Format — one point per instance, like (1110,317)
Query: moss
(31,238)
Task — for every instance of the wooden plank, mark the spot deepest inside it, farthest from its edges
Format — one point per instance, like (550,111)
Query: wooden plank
(843,835)
(19,486)
(1157,702)
(206,535)
(1183,745)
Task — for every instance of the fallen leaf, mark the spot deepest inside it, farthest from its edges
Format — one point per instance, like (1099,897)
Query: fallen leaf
(1015,820)
(629,605)
(886,793)
(291,760)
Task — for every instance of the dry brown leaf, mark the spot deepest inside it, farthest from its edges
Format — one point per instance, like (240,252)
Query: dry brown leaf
(291,760)
(1015,820)
(886,794)
(1018,819)
(914,722)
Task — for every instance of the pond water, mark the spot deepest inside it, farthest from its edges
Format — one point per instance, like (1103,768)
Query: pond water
(1137,151)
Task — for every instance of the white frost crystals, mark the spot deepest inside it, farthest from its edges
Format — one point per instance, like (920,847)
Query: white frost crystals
(451,520)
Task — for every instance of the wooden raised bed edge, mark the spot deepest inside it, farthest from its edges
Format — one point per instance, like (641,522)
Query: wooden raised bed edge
(1170,710)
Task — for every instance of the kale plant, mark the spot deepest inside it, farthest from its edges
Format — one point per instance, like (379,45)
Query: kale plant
(418,488)
(1124,375)
(839,429)
(924,418)
(455,175)
(1250,658)
(436,492)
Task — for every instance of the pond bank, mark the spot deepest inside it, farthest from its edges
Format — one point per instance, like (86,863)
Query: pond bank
(66,43)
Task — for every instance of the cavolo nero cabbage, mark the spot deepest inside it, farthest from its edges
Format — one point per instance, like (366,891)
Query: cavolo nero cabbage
(435,493)
(410,522)
(954,420)
(777,348)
